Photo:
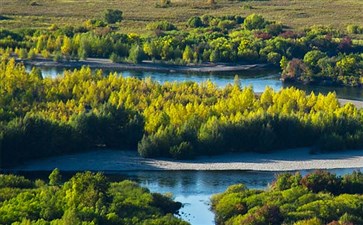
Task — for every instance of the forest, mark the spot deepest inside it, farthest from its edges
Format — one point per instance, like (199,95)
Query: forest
(317,54)
(85,199)
(318,198)
(42,116)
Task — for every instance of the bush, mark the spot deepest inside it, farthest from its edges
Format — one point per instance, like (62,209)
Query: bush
(136,54)
(55,177)
(354,29)
(254,21)
(322,181)
(161,25)
(274,29)
(353,183)
(286,181)
(31,54)
(23,54)
(165,203)
(148,148)
(195,22)
(164,4)
(182,151)
(14,181)
(113,15)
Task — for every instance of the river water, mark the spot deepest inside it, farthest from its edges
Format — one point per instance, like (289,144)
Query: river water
(194,188)
(258,78)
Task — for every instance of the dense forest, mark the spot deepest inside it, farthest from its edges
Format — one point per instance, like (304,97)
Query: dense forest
(83,109)
(317,54)
(318,198)
(85,199)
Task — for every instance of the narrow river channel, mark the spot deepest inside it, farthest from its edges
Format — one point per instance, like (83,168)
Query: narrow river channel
(192,188)
(258,79)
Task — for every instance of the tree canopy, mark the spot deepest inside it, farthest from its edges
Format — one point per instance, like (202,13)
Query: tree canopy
(179,120)
(86,198)
(317,198)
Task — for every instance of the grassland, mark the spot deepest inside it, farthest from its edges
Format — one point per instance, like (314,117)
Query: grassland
(137,13)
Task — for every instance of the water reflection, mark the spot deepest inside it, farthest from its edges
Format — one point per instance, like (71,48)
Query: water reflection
(192,188)
(259,79)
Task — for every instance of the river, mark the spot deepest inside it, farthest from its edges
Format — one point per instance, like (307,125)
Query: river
(257,78)
(192,188)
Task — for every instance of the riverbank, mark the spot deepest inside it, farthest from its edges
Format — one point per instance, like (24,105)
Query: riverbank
(110,160)
(98,63)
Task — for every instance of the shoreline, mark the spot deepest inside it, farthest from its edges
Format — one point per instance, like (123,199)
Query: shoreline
(99,63)
(117,161)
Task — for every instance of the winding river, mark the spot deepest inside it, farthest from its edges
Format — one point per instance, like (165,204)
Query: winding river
(194,188)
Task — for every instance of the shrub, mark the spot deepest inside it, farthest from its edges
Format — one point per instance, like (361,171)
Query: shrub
(113,15)
(55,177)
(165,203)
(354,29)
(313,221)
(254,21)
(23,54)
(182,151)
(274,58)
(353,183)
(31,54)
(322,181)
(14,181)
(161,25)
(274,29)
(136,54)
(164,3)
(195,22)
(148,148)
(286,181)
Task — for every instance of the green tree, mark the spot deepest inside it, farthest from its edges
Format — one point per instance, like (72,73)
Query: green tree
(55,178)
(136,54)
(188,54)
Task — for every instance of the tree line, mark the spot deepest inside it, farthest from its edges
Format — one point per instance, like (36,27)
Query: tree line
(85,199)
(83,109)
(316,54)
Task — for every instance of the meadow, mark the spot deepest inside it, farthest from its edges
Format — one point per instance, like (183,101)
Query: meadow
(295,14)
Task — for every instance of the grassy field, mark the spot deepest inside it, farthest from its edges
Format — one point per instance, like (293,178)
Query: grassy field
(137,13)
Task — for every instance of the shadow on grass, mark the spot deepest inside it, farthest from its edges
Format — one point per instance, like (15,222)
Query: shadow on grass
(5,18)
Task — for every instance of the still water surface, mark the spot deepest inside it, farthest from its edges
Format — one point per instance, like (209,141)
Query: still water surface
(259,79)
(192,188)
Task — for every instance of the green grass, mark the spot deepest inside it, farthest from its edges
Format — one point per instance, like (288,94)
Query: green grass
(137,13)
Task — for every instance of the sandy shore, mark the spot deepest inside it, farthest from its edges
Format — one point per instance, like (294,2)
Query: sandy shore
(288,160)
(357,103)
(98,63)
